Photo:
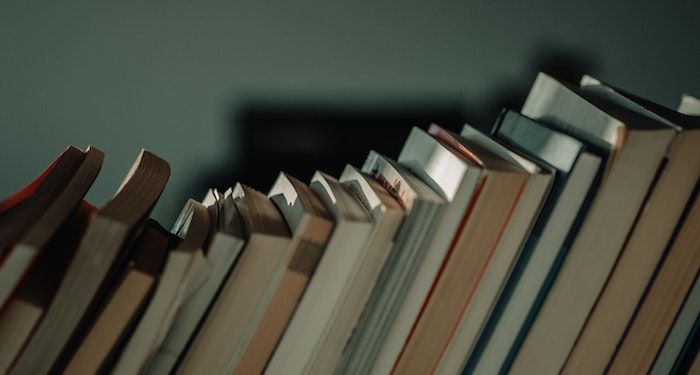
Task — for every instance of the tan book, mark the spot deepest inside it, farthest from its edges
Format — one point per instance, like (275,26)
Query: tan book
(663,300)
(124,305)
(511,244)
(185,269)
(32,225)
(311,227)
(637,146)
(488,214)
(695,366)
(645,246)
(104,237)
(29,301)
(230,322)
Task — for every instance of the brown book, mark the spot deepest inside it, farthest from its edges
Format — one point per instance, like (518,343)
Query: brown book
(228,326)
(26,307)
(663,299)
(487,215)
(645,246)
(105,236)
(42,214)
(311,227)
(19,212)
(124,305)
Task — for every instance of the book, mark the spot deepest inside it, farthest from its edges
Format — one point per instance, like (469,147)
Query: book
(689,105)
(124,306)
(100,246)
(505,254)
(638,145)
(185,269)
(20,211)
(664,298)
(225,243)
(387,215)
(25,309)
(460,179)
(312,228)
(576,169)
(425,209)
(645,245)
(220,340)
(32,224)
(679,337)
(501,186)
(345,247)
(563,241)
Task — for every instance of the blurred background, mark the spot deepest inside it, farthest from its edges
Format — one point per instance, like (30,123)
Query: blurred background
(233,91)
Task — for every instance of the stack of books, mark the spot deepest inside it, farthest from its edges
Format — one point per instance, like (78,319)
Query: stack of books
(566,241)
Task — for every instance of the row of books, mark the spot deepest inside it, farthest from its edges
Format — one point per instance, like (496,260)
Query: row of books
(566,241)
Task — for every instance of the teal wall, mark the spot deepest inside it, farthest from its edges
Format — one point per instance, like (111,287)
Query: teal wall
(167,75)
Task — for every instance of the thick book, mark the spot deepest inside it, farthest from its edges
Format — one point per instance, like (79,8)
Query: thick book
(224,333)
(345,247)
(417,236)
(387,215)
(645,246)
(459,178)
(185,270)
(312,228)
(638,146)
(576,169)
(100,247)
(479,305)
(489,212)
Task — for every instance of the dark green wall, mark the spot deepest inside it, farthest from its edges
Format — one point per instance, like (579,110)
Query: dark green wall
(167,75)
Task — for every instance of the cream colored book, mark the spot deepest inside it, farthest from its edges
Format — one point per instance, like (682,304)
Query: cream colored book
(224,247)
(345,247)
(388,215)
(228,326)
(689,105)
(420,234)
(311,226)
(101,244)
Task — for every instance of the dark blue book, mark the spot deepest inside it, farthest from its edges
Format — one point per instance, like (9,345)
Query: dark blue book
(577,169)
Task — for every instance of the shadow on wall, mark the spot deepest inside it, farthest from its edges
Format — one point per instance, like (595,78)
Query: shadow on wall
(299,139)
